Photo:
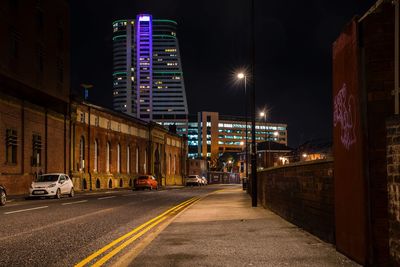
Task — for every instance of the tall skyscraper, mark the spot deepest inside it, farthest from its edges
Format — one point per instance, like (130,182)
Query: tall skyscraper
(148,78)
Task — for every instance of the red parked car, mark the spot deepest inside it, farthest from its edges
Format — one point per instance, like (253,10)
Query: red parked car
(146,181)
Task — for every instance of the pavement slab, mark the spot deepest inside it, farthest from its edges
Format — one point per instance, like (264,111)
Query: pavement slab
(224,230)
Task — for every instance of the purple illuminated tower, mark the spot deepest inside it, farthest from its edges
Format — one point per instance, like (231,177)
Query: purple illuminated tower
(148,77)
(144,66)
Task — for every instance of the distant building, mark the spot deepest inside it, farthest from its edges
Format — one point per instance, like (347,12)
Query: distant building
(272,154)
(148,79)
(210,134)
(197,167)
(314,150)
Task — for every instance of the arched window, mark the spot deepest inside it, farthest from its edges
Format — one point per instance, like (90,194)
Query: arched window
(128,159)
(118,158)
(137,160)
(108,156)
(169,164)
(174,164)
(82,154)
(96,156)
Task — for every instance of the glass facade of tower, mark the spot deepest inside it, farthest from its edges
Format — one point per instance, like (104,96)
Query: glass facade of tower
(148,78)
(144,62)
(124,72)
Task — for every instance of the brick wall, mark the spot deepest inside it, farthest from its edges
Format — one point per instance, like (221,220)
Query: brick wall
(28,119)
(301,194)
(393,187)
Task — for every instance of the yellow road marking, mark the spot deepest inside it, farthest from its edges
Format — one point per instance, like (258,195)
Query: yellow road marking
(137,229)
(129,241)
(127,258)
(126,243)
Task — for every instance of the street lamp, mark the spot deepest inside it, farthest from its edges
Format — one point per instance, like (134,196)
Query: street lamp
(263,114)
(241,76)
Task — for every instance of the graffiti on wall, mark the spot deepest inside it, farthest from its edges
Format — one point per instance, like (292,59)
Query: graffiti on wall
(344,116)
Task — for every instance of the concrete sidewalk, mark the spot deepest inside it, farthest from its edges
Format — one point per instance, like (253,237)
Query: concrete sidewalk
(224,230)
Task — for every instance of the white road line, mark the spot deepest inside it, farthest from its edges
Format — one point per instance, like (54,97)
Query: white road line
(100,198)
(16,211)
(76,202)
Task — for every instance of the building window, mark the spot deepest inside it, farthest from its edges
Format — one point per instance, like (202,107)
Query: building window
(36,150)
(174,164)
(128,159)
(82,154)
(11,146)
(96,156)
(82,117)
(108,156)
(137,160)
(169,164)
(118,158)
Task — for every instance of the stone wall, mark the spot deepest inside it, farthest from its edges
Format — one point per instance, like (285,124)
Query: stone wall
(393,170)
(302,194)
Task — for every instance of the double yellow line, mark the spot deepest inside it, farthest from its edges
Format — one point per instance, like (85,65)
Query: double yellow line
(132,235)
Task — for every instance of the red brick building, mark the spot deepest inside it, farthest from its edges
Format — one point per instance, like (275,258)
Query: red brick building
(34,90)
(116,148)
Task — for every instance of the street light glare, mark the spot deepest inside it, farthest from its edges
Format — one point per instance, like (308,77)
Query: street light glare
(262,114)
(240,75)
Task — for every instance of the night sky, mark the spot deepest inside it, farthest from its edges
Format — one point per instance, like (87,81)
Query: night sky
(293,54)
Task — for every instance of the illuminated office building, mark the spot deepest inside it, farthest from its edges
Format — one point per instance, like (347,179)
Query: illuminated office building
(211,134)
(148,78)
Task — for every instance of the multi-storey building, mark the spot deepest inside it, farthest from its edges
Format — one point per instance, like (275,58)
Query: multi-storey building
(211,134)
(34,90)
(148,79)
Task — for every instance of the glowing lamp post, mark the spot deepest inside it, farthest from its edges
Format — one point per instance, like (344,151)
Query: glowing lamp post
(242,76)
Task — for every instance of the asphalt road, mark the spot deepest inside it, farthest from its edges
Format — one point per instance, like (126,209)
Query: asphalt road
(51,232)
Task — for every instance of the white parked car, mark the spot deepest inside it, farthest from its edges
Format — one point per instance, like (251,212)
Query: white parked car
(193,180)
(3,196)
(204,180)
(52,185)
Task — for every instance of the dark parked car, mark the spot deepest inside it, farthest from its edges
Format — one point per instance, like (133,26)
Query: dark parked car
(3,196)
